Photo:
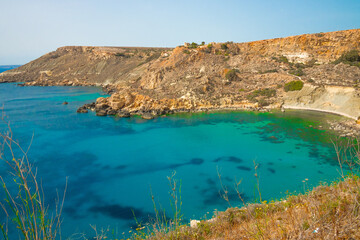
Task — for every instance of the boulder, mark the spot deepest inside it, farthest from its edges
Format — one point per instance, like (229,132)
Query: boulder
(147,116)
(101,113)
(123,114)
(111,112)
(82,110)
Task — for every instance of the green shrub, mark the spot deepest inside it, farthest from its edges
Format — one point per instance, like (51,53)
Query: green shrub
(210,46)
(186,51)
(266,92)
(270,71)
(281,59)
(121,55)
(297,72)
(232,75)
(293,86)
(202,43)
(193,45)
(352,58)
(224,46)
(262,103)
(218,52)
(311,62)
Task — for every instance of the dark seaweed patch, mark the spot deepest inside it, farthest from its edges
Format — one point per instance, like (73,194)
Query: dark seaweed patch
(213,197)
(243,168)
(118,211)
(229,179)
(229,159)
(196,161)
(314,153)
(271,170)
(121,167)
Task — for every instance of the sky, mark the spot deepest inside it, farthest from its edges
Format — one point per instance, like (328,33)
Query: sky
(31,28)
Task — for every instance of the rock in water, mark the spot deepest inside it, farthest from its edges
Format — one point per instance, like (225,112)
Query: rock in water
(147,116)
(82,110)
(101,113)
(111,112)
(123,114)
(65,103)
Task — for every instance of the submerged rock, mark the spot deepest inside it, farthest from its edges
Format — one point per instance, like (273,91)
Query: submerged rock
(123,114)
(147,116)
(111,112)
(101,113)
(82,109)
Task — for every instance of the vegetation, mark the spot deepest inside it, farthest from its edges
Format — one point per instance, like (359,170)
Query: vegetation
(297,72)
(186,51)
(266,92)
(260,95)
(281,59)
(269,71)
(24,203)
(193,45)
(352,58)
(329,211)
(122,55)
(293,86)
(224,46)
(231,75)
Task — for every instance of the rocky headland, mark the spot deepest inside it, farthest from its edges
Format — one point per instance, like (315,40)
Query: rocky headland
(311,71)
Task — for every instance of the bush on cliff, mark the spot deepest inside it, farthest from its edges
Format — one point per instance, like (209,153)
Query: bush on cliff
(193,45)
(266,92)
(293,86)
(297,72)
(351,57)
(231,75)
(224,46)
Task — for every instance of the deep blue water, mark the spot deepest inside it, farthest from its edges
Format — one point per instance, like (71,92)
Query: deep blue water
(112,163)
(4,68)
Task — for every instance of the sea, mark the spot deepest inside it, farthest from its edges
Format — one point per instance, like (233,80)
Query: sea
(115,169)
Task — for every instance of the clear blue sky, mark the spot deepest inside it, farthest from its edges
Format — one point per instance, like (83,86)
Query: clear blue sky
(31,28)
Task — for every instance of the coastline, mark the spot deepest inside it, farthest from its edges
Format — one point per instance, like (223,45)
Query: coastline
(318,110)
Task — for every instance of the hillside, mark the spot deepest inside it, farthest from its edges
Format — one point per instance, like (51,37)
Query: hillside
(326,212)
(155,81)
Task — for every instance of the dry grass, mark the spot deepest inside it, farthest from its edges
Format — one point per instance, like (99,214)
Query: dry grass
(326,212)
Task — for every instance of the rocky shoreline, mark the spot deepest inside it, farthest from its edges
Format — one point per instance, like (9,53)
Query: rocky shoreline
(311,71)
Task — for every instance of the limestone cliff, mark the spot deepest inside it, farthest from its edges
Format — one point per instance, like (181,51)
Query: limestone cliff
(334,99)
(211,76)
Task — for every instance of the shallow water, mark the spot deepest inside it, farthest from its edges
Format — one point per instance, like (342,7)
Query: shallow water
(112,163)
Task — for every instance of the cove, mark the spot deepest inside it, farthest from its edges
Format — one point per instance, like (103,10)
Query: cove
(113,163)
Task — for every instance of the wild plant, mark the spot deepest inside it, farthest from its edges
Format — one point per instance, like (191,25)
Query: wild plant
(23,206)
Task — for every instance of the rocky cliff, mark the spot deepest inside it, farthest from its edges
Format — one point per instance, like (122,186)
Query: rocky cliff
(153,81)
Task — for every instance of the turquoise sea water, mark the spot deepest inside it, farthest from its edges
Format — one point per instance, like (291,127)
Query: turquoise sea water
(112,164)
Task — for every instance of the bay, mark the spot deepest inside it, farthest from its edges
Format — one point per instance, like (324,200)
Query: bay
(115,165)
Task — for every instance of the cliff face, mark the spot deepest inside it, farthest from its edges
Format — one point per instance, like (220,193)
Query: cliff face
(213,76)
(333,99)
